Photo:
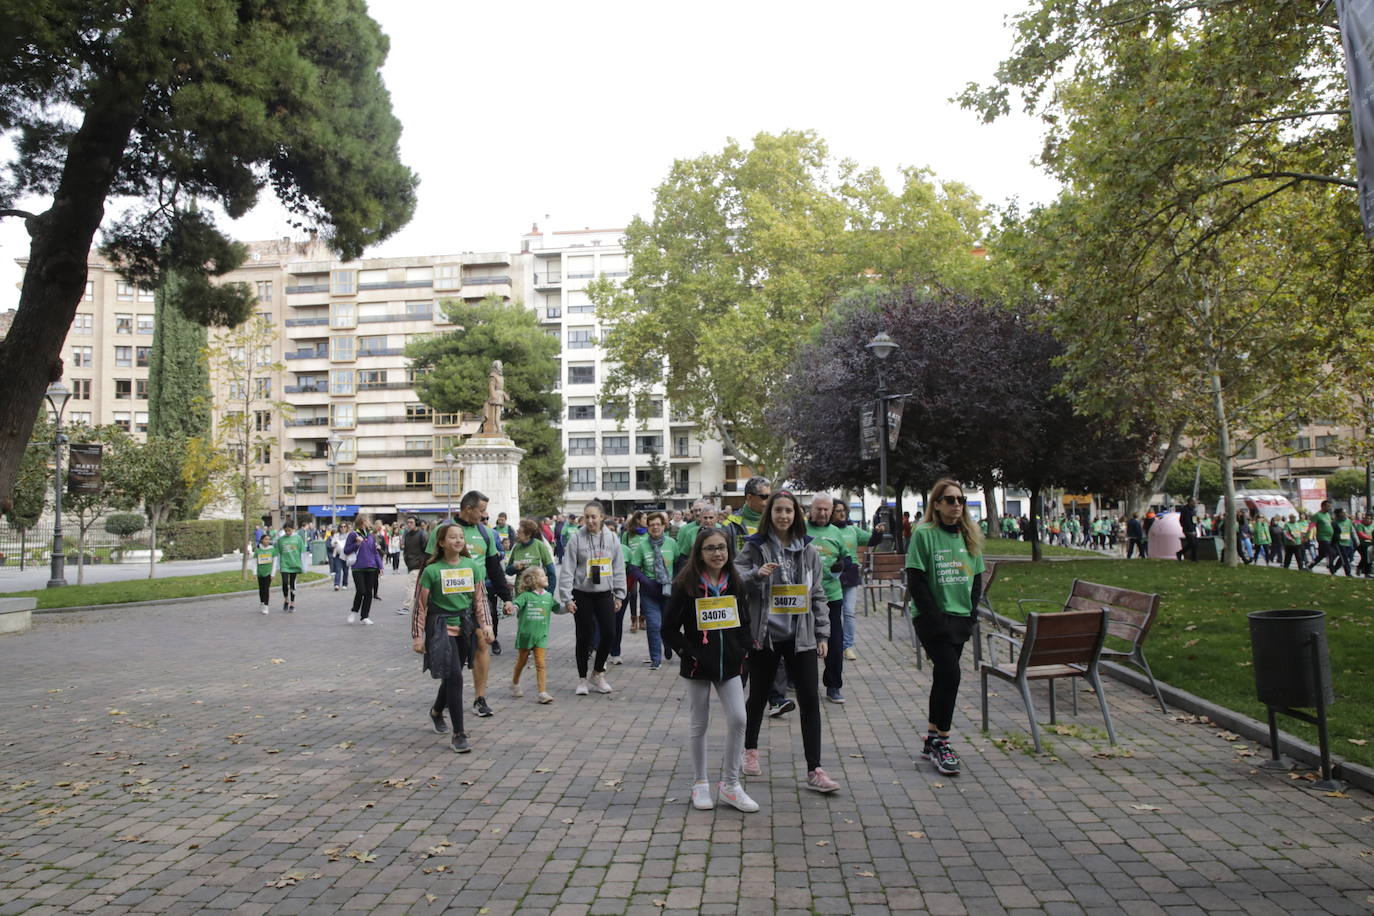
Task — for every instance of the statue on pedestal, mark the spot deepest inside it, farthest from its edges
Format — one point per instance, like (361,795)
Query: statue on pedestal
(496,400)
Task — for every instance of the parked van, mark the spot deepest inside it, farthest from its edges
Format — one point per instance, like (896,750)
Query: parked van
(1268,503)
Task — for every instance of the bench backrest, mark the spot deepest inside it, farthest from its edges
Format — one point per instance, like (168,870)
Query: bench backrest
(1131,614)
(886,565)
(1066,638)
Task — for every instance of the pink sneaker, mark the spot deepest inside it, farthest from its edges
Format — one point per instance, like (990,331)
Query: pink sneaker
(751,767)
(819,781)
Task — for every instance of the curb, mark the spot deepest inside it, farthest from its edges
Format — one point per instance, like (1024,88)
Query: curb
(160,601)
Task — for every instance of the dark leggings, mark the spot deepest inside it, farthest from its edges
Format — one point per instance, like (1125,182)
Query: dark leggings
(364,584)
(943,637)
(595,610)
(288,586)
(833,677)
(450,694)
(801,667)
(264,589)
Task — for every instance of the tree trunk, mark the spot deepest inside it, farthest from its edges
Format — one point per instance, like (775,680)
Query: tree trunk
(1037,553)
(989,483)
(1228,481)
(152,548)
(1138,501)
(55,278)
(80,555)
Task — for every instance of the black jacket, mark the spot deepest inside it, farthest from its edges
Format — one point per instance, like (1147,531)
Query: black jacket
(413,549)
(713,655)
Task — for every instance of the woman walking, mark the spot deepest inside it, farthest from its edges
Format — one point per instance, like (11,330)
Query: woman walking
(707,625)
(365,569)
(531,550)
(943,572)
(338,566)
(451,587)
(789,620)
(591,585)
(652,565)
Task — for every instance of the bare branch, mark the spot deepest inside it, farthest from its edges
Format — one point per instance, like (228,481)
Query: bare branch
(21,213)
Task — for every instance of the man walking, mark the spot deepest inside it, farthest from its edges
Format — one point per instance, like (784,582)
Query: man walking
(413,552)
(830,544)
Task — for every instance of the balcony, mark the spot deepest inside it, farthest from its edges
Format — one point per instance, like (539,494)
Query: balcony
(306,322)
(321,388)
(385,386)
(548,280)
(309,354)
(309,421)
(688,453)
(398,453)
(384,351)
(396,284)
(312,288)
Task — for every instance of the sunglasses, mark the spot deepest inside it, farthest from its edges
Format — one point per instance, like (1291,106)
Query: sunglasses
(953,500)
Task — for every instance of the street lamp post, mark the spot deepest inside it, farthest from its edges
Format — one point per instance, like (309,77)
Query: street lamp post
(57,395)
(334,443)
(882,346)
(449,461)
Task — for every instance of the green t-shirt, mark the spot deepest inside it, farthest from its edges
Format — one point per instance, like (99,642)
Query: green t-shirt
(452,587)
(477,545)
(264,557)
(1261,530)
(505,533)
(536,553)
(854,538)
(687,537)
(1323,522)
(568,531)
(1294,532)
(533,612)
(830,544)
(1362,528)
(1344,532)
(641,554)
(949,567)
(289,548)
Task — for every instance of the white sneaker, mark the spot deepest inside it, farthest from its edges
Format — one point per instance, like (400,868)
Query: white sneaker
(545,698)
(367,621)
(352,618)
(615,660)
(701,797)
(265,609)
(582,690)
(516,691)
(735,797)
(599,683)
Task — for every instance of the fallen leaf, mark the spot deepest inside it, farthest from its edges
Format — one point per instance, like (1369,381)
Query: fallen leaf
(1190,643)
(916,834)
(866,874)
(118,712)
(543,770)
(848,821)
(344,745)
(274,750)
(397,783)
(484,910)
(568,820)
(286,880)
(1358,742)
(822,842)
(430,898)
(613,782)
(937,785)
(334,853)
(465,782)
(857,756)
(278,661)
(363,857)
(129,838)
(230,777)
(1366,853)
(1336,795)
(660,903)
(1190,627)
(1145,807)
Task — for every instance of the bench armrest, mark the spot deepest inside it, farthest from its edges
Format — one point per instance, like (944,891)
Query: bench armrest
(1020,602)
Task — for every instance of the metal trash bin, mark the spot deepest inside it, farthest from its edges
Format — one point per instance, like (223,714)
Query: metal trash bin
(1292,672)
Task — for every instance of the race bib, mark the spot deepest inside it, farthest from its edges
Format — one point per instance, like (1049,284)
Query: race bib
(457,582)
(717,613)
(264,559)
(789,599)
(601,564)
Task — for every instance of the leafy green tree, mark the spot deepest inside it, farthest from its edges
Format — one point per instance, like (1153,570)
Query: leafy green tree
(157,477)
(745,252)
(1346,484)
(452,378)
(178,378)
(1179,484)
(34,482)
(163,101)
(113,492)
(660,481)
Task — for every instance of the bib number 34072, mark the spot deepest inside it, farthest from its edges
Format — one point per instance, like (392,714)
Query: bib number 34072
(717,613)
(788,599)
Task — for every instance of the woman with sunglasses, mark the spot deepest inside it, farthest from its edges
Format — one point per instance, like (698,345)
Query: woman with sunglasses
(789,621)
(943,574)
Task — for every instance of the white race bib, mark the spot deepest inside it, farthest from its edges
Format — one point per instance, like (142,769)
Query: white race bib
(717,613)
(457,582)
(601,563)
(789,599)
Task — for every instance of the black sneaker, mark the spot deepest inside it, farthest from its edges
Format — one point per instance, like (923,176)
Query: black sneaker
(437,718)
(495,648)
(786,706)
(481,706)
(459,744)
(938,752)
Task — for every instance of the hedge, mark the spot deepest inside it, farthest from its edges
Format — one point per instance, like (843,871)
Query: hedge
(202,539)
(231,535)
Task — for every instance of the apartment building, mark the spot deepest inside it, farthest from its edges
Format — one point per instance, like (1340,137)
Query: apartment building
(611,455)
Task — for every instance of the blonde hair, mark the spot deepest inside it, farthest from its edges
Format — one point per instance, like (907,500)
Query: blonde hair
(526,581)
(973,535)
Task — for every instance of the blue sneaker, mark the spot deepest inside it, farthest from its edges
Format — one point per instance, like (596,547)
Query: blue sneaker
(833,695)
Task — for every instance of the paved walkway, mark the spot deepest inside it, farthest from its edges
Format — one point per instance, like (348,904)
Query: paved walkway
(13,579)
(196,757)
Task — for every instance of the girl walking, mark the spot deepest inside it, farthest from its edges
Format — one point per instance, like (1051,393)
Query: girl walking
(534,605)
(366,568)
(289,549)
(591,585)
(943,572)
(789,621)
(450,612)
(707,625)
(264,556)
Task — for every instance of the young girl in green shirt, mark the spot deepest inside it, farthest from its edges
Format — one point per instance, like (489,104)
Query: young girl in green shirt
(535,605)
(264,557)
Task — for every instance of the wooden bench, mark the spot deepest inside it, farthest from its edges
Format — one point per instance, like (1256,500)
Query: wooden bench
(884,574)
(1130,616)
(984,611)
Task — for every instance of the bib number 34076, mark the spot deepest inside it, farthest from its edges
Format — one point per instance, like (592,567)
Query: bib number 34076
(717,613)
(788,599)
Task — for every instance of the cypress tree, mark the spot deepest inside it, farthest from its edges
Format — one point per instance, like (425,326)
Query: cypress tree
(178,376)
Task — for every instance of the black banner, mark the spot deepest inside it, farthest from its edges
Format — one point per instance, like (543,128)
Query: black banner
(1356,19)
(83,471)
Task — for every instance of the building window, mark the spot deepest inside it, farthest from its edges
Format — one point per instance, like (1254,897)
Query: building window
(417,480)
(448,276)
(579,303)
(141,389)
(372,481)
(264,290)
(262,453)
(343,282)
(82,357)
(615,412)
(145,324)
(447,419)
(262,388)
(447,482)
(644,480)
(124,356)
(581,411)
(347,452)
(83,324)
(581,479)
(123,290)
(146,295)
(369,379)
(445,444)
(371,346)
(582,375)
(421,445)
(648,445)
(582,445)
(615,481)
(82,417)
(341,348)
(143,357)
(124,323)
(343,315)
(238,389)
(417,372)
(343,483)
(90,290)
(579,267)
(655,410)
(123,420)
(340,381)
(615,445)
(420,310)
(1302,444)
(81,389)
(341,416)
(1325,446)
(553,311)
(581,338)
(418,413)
(262,421)
(124,389)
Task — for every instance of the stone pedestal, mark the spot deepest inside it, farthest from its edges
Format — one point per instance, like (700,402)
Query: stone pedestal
(491,465)
(16,614)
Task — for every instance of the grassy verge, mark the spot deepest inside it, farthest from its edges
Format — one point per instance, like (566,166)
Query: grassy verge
(1005,547)
(1201,640)
(148,589)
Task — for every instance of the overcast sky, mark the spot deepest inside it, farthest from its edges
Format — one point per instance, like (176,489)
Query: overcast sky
(570,114)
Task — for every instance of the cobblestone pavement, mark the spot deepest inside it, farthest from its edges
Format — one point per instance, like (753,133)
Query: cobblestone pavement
(204,757)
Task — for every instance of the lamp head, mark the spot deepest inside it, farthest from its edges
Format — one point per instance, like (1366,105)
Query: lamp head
(58,395)
(882,346)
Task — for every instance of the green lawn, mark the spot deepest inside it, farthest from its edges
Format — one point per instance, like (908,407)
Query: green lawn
(1005,547)
(1201,640)
(149,589)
